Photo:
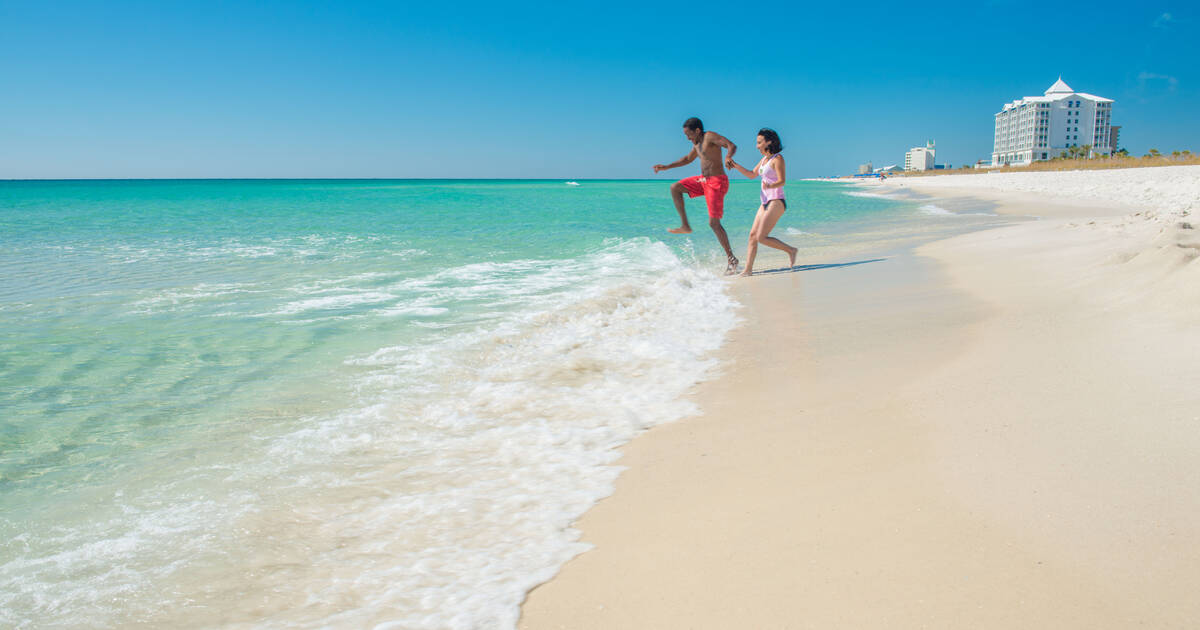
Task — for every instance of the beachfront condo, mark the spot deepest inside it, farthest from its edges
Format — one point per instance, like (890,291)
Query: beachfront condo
(1037,128)
(920,158)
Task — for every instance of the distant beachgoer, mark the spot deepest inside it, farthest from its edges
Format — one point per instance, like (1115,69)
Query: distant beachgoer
(711,182)
(772,170)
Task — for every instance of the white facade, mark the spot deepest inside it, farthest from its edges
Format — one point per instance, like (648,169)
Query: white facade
(1039,128)
(920,158)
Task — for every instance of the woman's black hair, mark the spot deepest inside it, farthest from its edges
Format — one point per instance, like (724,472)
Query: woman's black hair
(773,143)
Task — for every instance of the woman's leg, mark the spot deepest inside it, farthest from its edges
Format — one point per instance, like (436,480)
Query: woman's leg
(752,244)
(773,210)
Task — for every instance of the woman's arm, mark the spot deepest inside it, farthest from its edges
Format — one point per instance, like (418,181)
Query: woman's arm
(780,169)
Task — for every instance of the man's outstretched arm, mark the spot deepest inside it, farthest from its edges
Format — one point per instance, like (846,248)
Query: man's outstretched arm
(687,159)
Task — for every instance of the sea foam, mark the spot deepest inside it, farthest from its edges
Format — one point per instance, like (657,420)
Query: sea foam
(438,497)
(870,195)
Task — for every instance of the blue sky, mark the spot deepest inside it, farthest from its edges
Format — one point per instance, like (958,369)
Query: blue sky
(558,90)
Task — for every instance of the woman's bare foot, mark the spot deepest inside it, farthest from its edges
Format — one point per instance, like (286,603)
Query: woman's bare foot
(680,230)
(792,257)
(746,274)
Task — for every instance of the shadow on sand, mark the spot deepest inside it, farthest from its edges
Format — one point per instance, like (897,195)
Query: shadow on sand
(815,267)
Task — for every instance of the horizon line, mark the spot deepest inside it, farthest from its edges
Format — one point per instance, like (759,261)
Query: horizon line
(165,179)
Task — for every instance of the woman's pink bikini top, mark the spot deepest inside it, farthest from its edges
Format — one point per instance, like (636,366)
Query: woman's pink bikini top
(769,176)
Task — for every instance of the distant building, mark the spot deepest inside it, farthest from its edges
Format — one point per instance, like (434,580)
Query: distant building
(865,168)
(1038,128)
(1114,136)
(920,158)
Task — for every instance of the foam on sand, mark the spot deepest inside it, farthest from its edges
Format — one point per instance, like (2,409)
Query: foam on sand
(933,209)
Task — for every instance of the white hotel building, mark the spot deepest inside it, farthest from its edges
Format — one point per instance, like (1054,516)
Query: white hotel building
(920,158)
(1039,128)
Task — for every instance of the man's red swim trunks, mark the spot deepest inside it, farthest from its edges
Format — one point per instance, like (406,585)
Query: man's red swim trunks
(713,187)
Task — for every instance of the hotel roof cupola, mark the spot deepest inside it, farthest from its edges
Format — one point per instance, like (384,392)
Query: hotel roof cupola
(1059,87)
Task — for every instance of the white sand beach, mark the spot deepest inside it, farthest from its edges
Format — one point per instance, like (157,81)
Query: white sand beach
(997,431)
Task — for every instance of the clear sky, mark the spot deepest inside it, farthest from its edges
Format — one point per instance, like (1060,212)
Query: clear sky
(559,90)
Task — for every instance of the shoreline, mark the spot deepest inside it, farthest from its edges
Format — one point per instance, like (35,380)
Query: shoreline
(991,431)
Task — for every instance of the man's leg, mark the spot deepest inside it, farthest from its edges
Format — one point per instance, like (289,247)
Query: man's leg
(677,197)
(714,196)
(719,230)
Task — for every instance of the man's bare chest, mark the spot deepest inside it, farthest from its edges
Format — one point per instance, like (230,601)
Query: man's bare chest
(708,152)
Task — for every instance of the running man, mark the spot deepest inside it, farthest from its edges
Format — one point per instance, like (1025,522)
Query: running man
(711,182)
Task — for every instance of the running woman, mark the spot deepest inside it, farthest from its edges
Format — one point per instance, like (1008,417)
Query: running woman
(773,173)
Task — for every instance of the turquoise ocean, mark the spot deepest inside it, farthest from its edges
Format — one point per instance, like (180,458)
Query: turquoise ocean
(337,403)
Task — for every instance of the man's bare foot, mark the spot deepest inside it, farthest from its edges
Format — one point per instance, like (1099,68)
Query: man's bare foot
(732,267)
(680,230)
(792,257)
